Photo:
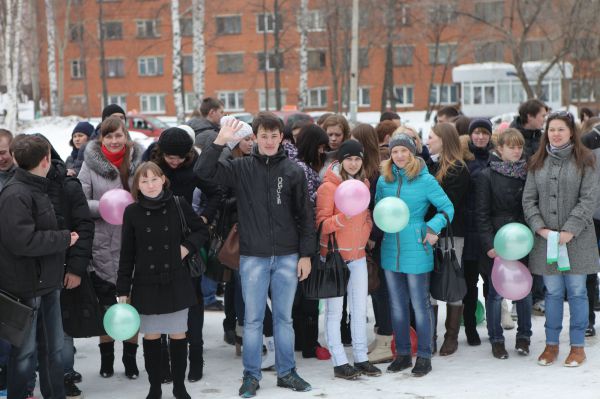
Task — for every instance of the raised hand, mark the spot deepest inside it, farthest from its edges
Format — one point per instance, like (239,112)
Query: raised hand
(228,131)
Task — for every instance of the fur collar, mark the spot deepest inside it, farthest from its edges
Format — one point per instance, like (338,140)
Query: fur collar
(98,163)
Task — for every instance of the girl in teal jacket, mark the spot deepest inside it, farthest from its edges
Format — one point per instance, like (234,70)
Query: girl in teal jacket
(407,256)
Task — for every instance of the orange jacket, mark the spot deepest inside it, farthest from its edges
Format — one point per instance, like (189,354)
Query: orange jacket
(351,234)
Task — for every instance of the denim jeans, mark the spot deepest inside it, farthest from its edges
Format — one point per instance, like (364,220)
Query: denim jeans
(68,355)
(257,273)
(47,336)
(493,315)
(574,285)
(4,352)
(414,288)
(357,303)
(209,290)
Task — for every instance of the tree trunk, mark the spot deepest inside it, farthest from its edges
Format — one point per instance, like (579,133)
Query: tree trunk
(177,94)
(35,59)
(303,86)
(387,94)
(333,50)
(266,56)
(51,30)
(102,57)
(199,57)
(277,55)
(12,59)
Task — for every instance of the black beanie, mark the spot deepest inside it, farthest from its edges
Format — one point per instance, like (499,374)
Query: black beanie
(83,127)
(112,109)
(481,123)
(350,148)
(175,141)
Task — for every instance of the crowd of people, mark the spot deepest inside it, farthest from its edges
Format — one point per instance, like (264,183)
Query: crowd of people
(273,185)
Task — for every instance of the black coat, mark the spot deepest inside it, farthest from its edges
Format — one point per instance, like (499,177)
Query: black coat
(456,186)
(151,237)
(31,245)
(275,213)
(592,139)
(532,137)
(73,214)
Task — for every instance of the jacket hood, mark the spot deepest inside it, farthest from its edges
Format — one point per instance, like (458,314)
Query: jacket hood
(98,163)
(58,170)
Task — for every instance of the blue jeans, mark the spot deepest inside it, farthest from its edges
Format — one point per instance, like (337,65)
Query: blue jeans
(257,273)
(47,336)
(493,315)
(68,355)
(414,288)
(574,285)
(4,352)
(209,290)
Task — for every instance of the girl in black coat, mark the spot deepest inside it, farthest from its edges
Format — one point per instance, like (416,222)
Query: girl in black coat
(498,202)
(161,289)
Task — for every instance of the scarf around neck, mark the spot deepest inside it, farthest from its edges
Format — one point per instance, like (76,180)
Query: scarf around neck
(516,169)
(115,158)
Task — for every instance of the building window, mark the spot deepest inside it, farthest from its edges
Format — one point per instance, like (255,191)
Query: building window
(148,28)
(77,69)
(483,93)
(443,94)
(315,21)
(262,104)
(446,54)
(363,58)
(442,14)
(76,33)
(489,52)
(186,27)
(489,11)
(269,61)
(114,68)
(317,98)
(346,21)
(536,50)
(586,48)
(233,101)
(266,23)
(364,96)
(152,103)
(405,15)
(230,63)
(189,102)
(150,66)
(119,99)
(112,30)
(316,59)
(229,25)
(187,62)
(404,95)
(403,55)
(584,90)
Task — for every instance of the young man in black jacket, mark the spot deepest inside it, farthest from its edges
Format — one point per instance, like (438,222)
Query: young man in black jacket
(277,238)
(32,253)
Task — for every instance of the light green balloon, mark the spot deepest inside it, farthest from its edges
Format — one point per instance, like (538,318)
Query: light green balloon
(391,214)
(513,241)
(121,321)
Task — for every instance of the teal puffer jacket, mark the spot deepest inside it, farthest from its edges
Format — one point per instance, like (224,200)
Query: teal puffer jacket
(404,251)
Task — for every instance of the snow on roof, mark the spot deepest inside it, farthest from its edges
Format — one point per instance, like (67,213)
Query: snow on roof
(491,71)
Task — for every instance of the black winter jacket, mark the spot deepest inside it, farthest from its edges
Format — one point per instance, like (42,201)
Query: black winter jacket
(592,139)
(150,268)
(31,245)
(532,137)
(73,214)
(275,214)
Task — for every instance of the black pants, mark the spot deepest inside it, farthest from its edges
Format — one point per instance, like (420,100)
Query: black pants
(381,306)
(196,318)
(592,293)
(470,300)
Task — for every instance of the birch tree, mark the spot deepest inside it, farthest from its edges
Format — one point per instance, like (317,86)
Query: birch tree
(303,84)
(177,93)
(12,39)
(199,57)
(61,47)
(51,31)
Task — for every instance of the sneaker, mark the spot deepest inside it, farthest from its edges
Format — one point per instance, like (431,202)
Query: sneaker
(249,387)
(539,308)
(346,371)
(522,346)
(71,390)
(590,332)
(216,306)
(401,362)
(293,382)
(499,351)
(76,377)
(368,369)
(422,367)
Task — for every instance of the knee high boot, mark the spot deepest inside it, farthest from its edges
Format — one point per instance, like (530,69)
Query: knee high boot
(434,329)
(129,361)
(178,349)
(152,363)
(165,363)
(453,314)
(196,363)
(107,359)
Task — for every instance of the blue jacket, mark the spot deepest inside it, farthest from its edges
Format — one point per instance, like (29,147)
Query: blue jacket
(404,251)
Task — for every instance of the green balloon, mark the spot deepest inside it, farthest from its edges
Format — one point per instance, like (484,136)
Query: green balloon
(391,214)
(513,241)
(480,313)
(121,321)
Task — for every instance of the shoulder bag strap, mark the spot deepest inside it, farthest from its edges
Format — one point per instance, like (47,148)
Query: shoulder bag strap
(449,232)
(184,227)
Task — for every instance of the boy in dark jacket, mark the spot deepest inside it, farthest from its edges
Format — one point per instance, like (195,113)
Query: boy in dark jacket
(277,238)
(32,251)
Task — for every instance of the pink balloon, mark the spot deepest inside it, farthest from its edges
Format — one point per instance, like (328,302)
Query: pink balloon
(352,197)
(511,279)
(112,205)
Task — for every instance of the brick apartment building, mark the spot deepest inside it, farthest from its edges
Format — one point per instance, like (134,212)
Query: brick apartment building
(138,52)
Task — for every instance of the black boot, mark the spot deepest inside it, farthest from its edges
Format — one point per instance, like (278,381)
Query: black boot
(196,364)
(434,332)
(152,362)
(178,349)
(422,367)
(165,364)
(311,337)
(129,353)
(107,359)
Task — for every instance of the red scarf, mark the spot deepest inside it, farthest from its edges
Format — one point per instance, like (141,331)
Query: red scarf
(115,158)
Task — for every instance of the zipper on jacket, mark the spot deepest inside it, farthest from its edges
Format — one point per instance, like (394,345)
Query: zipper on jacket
(269,207)
(398,234)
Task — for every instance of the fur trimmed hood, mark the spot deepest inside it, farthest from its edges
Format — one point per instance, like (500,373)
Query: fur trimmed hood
(98,163)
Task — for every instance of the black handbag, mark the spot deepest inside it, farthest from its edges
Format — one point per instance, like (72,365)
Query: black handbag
(16,319)
(193,262)
(215,270)
(329,278)
(448,277)
(81,312)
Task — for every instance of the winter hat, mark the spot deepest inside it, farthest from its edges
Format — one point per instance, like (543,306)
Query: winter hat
(189,130)
(244,132)
(403,140)
(112,109)
(175,141)
(350,148)
(482,123)
(83,127)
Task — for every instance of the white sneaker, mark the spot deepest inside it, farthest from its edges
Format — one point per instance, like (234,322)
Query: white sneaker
(268,360)
(506,321)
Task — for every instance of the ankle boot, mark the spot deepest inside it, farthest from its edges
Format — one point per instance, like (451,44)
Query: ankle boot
(196,363)
(129,353)
(450,345)
(152,363)
(382,353)
(107,359)
(178,349)
(165,364)
(434,330)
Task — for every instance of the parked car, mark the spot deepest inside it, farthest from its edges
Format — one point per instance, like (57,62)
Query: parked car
(150,126)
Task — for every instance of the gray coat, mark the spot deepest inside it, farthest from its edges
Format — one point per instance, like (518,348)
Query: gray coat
(559,197)
(98,176)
